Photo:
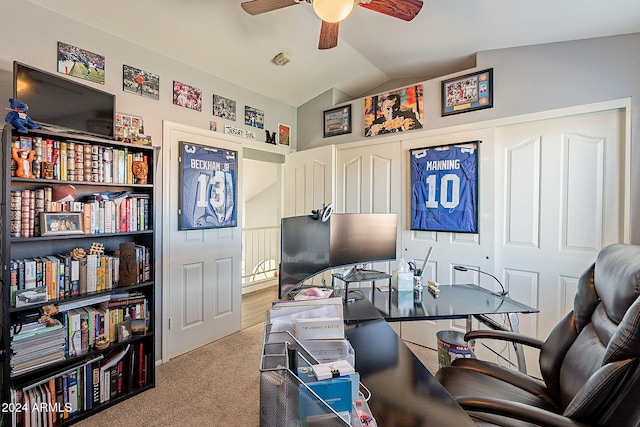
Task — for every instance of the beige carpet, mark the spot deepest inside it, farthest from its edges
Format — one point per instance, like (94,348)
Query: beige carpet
(216,385)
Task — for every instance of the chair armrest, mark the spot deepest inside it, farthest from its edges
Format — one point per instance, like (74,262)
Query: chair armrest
(516,410)
(513,337)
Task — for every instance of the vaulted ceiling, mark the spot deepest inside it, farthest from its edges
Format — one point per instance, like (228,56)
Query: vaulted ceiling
(220,38)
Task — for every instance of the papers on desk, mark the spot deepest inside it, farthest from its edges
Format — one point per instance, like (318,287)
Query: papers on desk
(325,351)
(324,371)
(308,319)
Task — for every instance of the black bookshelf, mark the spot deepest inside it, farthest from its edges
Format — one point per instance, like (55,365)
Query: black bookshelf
(135,367)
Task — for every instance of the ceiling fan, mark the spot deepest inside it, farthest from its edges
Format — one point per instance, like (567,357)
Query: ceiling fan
(333,11)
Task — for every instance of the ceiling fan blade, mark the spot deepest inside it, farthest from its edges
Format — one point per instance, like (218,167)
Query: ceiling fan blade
(401,9)
(328,35)
(256,7)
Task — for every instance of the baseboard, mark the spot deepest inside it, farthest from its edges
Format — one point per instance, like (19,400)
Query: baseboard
(259,285)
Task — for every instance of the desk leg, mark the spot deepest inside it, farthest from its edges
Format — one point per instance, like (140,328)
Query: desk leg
(513,324)
(346,291)
(512,318)
(390,295)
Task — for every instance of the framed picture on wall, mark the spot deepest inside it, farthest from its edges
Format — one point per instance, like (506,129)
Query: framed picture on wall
(467,93)
(140,82)
(284,134)
(337,121)
(444,188)
(396,111)
(77,62)
(207,187)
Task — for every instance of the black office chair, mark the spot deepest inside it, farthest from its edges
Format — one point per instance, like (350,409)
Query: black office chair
(590,362)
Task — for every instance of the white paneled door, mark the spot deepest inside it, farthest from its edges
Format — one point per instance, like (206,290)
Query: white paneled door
(309,180)
(368,181)
(560,200)
(202,272)
(551,196)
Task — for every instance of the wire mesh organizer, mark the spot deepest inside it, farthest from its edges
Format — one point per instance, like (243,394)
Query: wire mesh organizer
(285,400)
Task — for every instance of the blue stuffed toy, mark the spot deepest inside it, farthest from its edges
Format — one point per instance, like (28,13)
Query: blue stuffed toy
(17,116)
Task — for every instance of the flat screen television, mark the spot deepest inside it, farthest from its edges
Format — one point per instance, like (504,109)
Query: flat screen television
(310,246)
(61,103)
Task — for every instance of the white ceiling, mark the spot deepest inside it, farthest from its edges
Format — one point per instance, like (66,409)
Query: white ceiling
(218,37)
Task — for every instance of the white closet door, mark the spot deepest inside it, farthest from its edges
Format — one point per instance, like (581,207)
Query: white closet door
(369,180)
(309,180)
(559,200)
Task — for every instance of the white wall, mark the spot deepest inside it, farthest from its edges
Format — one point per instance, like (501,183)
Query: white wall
(30,35)
(262,188)
(526,80)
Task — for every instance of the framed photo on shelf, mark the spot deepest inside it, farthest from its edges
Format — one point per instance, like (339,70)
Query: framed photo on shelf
(284,134)
(207,187)
(61,223)
(444,188)
(470,92)
(337,121)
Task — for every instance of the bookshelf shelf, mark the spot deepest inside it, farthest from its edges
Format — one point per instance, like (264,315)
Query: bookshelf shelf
(97,236)
(106,293)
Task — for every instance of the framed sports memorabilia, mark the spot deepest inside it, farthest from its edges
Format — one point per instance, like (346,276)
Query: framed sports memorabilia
(444,188)
(467,93)
(207,187)
(337,121)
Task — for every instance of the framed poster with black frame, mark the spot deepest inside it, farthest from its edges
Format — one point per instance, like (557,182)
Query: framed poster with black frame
(444,188)
(207,187)
(470,92)
(336,121)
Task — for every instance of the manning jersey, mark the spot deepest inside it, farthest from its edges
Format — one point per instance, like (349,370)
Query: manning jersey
(444,189)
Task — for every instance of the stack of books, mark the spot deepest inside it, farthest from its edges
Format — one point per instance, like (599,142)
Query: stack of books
(36,345)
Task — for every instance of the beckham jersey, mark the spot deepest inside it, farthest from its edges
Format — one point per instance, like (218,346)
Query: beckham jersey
(208,187)
(444,186)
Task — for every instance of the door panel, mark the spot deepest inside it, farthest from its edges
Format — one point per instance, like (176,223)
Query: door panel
(561,208)
(202,268)
(449,249)
(309,180)
(369,181)
(309,184)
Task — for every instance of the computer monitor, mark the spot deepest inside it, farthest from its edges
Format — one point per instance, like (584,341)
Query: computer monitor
(309,246)
(361,238)
(304,251)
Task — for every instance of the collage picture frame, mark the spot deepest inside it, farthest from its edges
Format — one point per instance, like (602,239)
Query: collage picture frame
(470,92)
(337,121)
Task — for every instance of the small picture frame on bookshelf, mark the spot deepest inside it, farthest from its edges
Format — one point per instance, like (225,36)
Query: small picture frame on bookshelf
(138,327)
(61,223)
(124,331)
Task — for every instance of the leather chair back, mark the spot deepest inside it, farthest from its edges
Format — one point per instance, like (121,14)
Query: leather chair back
(590,361)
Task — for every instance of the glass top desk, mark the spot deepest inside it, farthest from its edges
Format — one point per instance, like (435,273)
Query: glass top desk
(453,302)
(464,301)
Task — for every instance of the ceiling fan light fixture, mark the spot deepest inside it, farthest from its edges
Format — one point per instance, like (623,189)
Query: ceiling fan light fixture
(333,10)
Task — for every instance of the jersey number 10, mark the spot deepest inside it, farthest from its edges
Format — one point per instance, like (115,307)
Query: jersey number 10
(449,191)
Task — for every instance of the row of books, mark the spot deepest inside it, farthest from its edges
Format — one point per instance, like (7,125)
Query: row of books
(56,277)
(99,213)
(36,345)
(76,161)
(117,320)
(81,389)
